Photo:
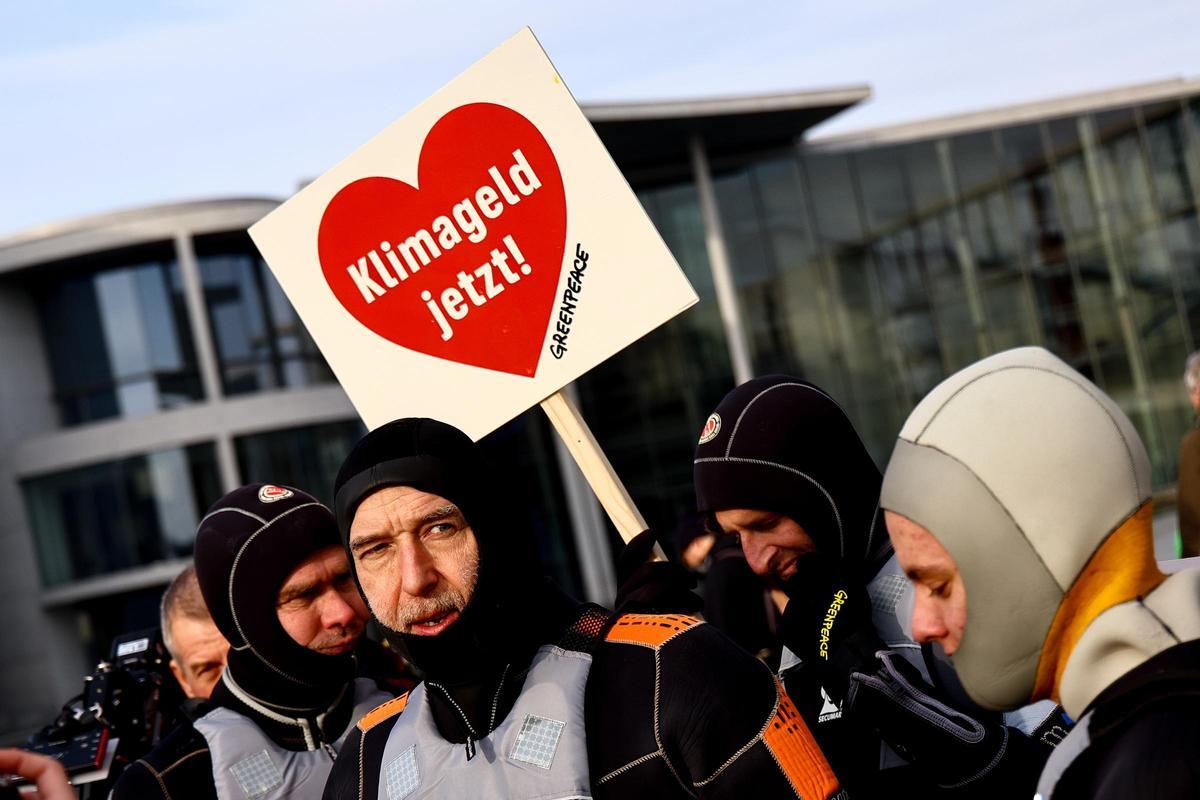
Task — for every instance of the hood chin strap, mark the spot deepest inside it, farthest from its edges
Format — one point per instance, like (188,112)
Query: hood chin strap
(1122,569)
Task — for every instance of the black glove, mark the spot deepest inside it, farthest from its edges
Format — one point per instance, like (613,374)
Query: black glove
(653,587)
(953,748)
(827,623)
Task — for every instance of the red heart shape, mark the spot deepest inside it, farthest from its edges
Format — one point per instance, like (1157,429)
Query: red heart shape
(506,330)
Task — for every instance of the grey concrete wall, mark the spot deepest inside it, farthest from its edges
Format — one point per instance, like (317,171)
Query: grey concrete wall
(32,636)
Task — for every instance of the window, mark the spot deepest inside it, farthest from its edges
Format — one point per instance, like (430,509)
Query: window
(120,514)
(260,341)
(646,403)
(307,458)
(116,333)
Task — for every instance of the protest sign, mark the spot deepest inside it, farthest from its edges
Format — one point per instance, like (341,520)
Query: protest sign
(476,256)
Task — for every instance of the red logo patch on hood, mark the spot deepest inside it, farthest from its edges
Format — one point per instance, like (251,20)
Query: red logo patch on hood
(270,493)
(712,426)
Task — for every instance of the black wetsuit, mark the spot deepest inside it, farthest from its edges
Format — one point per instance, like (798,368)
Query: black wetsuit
(673,709)
(1145,734)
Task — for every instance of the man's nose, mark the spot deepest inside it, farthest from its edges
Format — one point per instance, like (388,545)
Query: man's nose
(927,622)
(335,611)
(418,574)
(758,554)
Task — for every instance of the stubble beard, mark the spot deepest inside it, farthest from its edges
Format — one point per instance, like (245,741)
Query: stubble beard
(447,598)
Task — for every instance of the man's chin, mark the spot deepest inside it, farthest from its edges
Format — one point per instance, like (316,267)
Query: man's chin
(433,626)
(774,580)
(338,648)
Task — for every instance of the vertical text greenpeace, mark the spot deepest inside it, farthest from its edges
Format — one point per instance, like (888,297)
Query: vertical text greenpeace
(374,278)
(570,299)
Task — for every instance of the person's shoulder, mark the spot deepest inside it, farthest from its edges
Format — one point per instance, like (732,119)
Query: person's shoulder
(1151,756)
(673,684)
(355,773)
(1190,440)
(376,724)
(654,631)
(674,636)
(179,766)
(671,642)
(686,658)
(182,745)
(383,712)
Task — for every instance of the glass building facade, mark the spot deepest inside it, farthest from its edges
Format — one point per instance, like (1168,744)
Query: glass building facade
(153,363)
(116,515)
(874,266)
(877,268)
(116,329)
(261,343)
(306,457)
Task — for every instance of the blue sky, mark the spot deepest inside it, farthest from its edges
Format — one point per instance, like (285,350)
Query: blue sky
(119,104)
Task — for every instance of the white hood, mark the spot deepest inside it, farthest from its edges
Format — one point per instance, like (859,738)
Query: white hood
(1021,468)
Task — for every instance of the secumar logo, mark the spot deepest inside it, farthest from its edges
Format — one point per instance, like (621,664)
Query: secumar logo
(712,426)
(270,493)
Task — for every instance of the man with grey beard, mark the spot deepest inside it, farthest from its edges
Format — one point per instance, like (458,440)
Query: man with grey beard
(528,693)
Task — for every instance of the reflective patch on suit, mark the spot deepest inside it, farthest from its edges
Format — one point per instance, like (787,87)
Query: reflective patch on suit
(401,776)
(537,741)
(888,590)
(257,774)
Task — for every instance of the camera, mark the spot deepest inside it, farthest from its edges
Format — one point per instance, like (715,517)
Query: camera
(128,703)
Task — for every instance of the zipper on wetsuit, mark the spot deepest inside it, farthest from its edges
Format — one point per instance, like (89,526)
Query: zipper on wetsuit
(462,715)
(471,736)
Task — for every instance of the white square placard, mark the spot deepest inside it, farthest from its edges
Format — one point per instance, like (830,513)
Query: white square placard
(477,255)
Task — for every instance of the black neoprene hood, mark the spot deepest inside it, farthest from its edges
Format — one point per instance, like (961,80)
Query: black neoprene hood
(782,444)
(439,459)
(247,545)
(422,453)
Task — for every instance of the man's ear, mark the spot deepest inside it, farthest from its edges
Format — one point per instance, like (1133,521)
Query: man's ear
(177,671)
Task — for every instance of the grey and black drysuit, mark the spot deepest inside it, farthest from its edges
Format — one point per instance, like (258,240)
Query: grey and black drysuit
(1038,486)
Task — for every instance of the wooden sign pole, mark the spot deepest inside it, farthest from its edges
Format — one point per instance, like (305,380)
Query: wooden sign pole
(611,493)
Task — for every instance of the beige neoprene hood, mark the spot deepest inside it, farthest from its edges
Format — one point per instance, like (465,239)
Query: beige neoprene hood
(1021,468)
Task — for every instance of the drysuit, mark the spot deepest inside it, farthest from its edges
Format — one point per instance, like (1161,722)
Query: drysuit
(1038,486)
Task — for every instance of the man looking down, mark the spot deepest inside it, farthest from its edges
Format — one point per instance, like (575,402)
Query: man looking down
(780,467)
(1018,500)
